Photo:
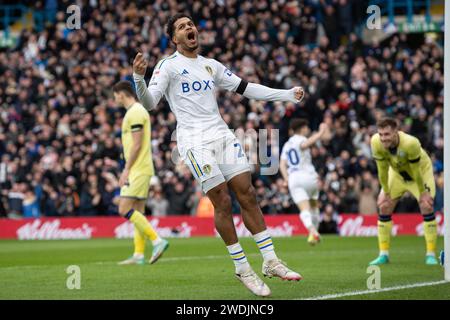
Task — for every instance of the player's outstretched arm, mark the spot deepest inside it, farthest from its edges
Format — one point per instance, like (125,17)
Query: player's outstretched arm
(260,92)
(148,97)
(315,137)
(227,80)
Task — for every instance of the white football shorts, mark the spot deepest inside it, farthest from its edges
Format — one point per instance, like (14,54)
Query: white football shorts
(216,162)
(303,186)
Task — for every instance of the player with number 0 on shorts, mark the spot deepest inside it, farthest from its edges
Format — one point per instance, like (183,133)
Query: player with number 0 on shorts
(301,176)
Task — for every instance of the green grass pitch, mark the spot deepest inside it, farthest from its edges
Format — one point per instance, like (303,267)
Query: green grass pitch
(200,268)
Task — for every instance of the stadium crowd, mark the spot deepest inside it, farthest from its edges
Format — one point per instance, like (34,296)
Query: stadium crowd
(60,150)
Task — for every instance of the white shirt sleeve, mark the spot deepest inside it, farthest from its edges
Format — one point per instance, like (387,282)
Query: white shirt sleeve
(157,87)
(260,92)
(225,79)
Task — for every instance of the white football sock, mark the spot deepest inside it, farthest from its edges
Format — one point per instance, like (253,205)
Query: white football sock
(265,245)
(239,258)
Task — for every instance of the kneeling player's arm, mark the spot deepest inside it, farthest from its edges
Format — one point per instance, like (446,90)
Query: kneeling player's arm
(414,153)
(383,169)
(417,174)
(260,92)
(137,136)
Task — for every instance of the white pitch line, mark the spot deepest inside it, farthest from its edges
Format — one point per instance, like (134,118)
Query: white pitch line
(187,258)
(359,293)
(168,259)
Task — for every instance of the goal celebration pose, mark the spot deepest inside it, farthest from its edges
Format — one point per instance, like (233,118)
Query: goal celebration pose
(214,155)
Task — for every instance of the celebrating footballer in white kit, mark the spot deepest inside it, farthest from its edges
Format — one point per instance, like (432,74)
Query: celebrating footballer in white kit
(212,152)
(301,176)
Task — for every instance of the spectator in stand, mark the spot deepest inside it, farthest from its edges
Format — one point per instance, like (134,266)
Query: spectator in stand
(330,24)
(178,198)
(157,204)
(30,204)
(329,220)
(367,199)
(50,200)
(89,201)
(110,195)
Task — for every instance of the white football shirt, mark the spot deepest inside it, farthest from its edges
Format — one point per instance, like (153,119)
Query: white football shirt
(298,160)
(189,85)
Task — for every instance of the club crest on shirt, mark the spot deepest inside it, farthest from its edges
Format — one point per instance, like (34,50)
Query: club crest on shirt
(207,169)
(209,69)
(401,158)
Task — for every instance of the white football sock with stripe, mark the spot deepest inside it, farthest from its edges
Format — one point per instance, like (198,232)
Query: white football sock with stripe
(239,258)
(265,245)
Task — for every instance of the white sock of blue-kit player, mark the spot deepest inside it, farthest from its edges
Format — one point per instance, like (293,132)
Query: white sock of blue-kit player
(264,242)
(239,258)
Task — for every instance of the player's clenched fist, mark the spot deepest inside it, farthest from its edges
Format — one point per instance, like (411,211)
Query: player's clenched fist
(139,64)
(299,93)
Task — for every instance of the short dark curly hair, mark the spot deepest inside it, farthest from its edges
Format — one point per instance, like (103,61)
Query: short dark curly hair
(297,124)
(170,24)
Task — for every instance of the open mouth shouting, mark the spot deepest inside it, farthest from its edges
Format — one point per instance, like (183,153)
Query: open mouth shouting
(192,38)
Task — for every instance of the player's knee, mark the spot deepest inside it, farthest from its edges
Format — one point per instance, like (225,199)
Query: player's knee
(224,207)
(123,209)
(122,212)
(249,194)
(222,203)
